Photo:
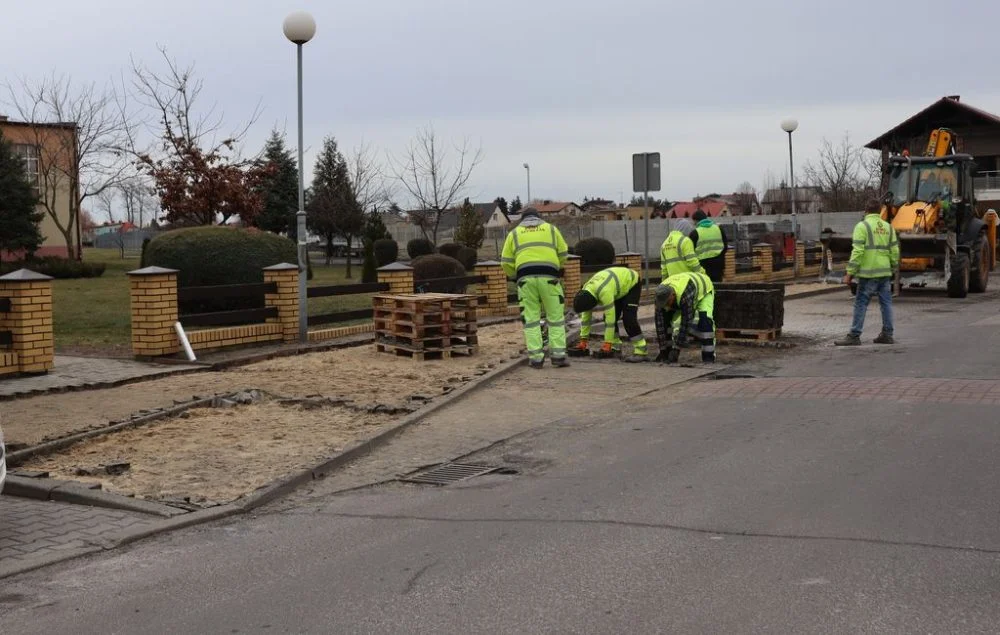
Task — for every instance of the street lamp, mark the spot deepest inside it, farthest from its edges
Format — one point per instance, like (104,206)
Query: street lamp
(528,170)
(790,126)
(299,28)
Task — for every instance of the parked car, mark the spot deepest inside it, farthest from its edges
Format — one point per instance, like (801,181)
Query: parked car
(3,461)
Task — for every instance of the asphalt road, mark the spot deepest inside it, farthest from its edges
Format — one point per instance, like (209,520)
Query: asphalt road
(706,512)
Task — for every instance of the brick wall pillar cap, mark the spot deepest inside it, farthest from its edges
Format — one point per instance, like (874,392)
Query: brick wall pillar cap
(629,253)
(573,257)
(151,271)
(396,266)
(282,266)
(25,275)
(488,263)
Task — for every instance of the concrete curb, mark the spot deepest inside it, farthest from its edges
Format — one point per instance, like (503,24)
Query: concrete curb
(72,492)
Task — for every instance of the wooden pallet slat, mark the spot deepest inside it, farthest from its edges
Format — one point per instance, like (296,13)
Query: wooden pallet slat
(763,335)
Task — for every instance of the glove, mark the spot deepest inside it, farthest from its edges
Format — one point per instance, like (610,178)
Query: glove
(605,351)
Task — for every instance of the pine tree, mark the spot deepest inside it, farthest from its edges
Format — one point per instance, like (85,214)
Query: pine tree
(515,205)
(470,230)
(333,208)
(501,202)
(19,217)
(279,188)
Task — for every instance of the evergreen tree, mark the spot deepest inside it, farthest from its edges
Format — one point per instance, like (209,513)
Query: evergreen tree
(19,217)
(501,202)
(279,188)
(515,205)
(470,230)
(374,229)
(333,208)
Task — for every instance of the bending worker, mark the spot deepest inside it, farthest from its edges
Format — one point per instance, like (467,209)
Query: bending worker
(710,246)
(685,303)
(616,291)
(533,254)
(677,255)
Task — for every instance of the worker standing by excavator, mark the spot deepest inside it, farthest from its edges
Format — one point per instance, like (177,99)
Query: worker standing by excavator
(678,255)
(685,304)
(616,291)
(710,246)
(534,253)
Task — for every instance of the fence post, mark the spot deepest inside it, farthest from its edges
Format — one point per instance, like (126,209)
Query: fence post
(800,258)
(29,320)
(495,287)
(285,299)
(153,292)
(763,257)
(630,259)
(398,276)
(571,278)
(730,268)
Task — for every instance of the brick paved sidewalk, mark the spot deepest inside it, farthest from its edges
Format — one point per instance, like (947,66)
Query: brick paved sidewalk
(34,532)
(79,372)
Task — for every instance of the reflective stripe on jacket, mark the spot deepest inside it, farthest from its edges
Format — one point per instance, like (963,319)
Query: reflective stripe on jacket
(710,241)
(876,249)
(677,255)
(533,248)
(607,286)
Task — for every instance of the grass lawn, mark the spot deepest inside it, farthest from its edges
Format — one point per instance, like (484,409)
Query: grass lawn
(91,315)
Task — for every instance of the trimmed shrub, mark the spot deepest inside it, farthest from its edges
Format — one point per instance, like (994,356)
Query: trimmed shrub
(386,252)
(59,268)
(142,254)
(369,268)
(434,266)
(465,255)
(207,256)
(595,251)
(419,247)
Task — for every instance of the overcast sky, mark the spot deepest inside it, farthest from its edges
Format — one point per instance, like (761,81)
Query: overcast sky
(572,87)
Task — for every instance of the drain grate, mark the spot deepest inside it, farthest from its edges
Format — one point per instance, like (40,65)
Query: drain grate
(448,473)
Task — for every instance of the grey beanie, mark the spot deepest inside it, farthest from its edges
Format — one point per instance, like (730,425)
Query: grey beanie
(684,226)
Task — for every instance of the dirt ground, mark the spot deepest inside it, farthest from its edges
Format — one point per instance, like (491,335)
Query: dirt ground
(215,455)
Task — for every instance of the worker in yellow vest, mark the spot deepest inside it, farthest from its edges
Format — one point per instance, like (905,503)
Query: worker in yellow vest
(616,291)
(709,245)
(677,254)
(533,254)
(685,305)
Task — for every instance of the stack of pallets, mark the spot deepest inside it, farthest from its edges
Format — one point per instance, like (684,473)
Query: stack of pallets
(425,325)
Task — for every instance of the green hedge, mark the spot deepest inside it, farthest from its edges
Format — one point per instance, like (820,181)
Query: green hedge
(419,247)
(386,251)
(218,255)
(595,251)
(465,255)
(435,266)
(59,268)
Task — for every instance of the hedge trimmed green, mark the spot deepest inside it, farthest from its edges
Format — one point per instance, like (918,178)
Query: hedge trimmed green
(59,268)
(434,266)
(386,251)
(465,255)
(419,247)
(218,255)
(595,251)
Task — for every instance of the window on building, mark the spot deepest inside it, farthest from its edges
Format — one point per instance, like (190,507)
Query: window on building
(29,154)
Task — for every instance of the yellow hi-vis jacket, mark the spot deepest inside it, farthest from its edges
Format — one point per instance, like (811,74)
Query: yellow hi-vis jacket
(609,285)
(710,242)
(534,248)
(876,249)
(677,255)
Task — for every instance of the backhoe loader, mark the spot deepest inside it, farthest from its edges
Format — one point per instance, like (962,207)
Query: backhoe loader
(931,204)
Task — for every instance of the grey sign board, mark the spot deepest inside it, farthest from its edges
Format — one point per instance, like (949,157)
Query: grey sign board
(646,172)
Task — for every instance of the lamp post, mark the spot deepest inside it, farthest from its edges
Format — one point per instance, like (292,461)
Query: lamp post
(299,28)
(527,169)
(790,126)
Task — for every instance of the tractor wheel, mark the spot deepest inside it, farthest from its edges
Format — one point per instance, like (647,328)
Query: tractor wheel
(981,274)
(958,283)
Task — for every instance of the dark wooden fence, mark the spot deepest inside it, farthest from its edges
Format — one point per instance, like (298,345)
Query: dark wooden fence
(337,290)
(6,337)
(216,295)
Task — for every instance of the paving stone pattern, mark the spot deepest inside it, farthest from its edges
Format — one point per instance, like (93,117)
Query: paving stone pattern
(896,389)
(36,532)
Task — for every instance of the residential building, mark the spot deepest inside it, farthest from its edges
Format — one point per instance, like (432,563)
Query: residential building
(977,133)
(557,208)
(778,200)
(713,207)
(49,154)
(738,203)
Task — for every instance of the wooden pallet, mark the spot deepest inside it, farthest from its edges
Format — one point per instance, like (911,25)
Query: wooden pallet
(425,354)
(424,302)
(760,335)
(404,325)
(430,342)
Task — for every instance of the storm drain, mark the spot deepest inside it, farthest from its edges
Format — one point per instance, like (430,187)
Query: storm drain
(448,473)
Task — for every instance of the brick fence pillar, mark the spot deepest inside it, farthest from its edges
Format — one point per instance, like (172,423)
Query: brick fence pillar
(398,276)
(29,319)
(154,310)
(571,278)
(495,287)
(730,268)
(630,259)
(285,299)
(763,257)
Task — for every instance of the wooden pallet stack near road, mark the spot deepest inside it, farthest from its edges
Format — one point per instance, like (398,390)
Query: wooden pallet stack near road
(425,325)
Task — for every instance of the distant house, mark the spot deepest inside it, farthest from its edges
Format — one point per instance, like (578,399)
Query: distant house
(712,207)
(598,204)
(557,208)
(738,204)
(490,215)
(778,200)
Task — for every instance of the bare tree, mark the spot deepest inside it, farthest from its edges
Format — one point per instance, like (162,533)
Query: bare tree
(79,133)
(371,188)
(746,199)
(434,180)
(199,177)
(843,175)
(137,200)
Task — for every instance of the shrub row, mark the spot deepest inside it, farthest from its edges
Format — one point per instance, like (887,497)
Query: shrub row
(59,268)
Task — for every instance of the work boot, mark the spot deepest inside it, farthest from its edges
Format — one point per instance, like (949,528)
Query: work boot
(560,362)
(536,363)
(708,358)
(850,340)
(884,338)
